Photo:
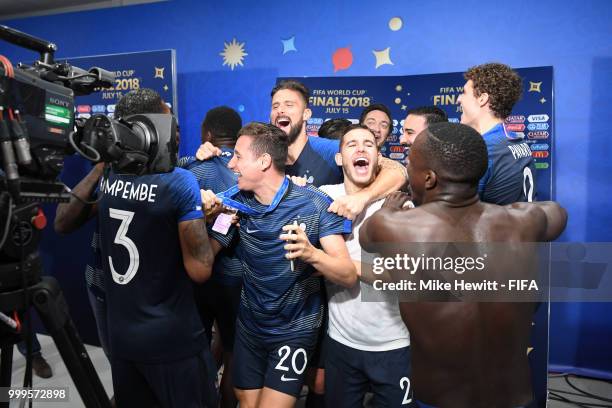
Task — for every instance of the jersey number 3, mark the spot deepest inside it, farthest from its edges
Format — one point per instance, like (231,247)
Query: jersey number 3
(121,239)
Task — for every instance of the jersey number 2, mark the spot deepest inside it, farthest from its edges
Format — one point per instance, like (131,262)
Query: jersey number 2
(528,184)
(121,239)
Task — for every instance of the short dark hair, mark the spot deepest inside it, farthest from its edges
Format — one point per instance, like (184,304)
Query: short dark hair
(269,139)
(334,128)
(294,86)
(143,100)
(456,152)
(501,82)
(432,114)
(376,107)
(353,127)
(222,122)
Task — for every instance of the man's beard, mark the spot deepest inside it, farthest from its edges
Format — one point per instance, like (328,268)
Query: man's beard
(295,131)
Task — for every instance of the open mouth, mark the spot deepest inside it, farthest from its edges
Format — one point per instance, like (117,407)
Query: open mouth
(283,122)
(361,165)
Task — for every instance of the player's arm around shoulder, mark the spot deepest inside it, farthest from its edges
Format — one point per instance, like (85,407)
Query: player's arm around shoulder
(392,176)
(545,219)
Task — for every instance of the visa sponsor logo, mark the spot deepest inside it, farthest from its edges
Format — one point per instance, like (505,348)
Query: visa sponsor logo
(515,119)
(540,134)
(538,118)
(110,108)
(454,120)
(393,138)
(396,156)
(515,127)
(540,155)
(539,147)
(315,121)
(98,108)
(541,166)
(83,108)
(538,126)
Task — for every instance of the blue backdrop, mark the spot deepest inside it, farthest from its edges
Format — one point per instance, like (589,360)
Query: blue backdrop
(351,38)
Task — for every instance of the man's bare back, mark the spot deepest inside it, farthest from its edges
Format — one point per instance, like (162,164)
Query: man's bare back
(465,354)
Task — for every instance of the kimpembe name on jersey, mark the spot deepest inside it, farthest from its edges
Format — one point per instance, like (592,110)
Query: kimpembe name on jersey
(129,190)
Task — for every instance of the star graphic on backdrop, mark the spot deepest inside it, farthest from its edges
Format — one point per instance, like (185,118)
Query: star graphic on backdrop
(165,87)
(398,88)
(543,100)
(289,45)
(233,54)
(382,57)
(404,107)
(159,72)
(534,86)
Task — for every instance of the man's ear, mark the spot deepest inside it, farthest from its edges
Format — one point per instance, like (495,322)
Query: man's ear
(307,114)
(431,179)
(483,99)
(338,159)
(265,161)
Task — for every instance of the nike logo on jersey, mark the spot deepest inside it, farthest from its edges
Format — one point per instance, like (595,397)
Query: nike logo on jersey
(283,378)
(250,231)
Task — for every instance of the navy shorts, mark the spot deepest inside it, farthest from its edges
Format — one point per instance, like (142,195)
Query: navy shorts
(185,383)
(276,364)
(350,373)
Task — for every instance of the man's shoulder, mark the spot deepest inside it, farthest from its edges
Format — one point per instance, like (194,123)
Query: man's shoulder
(324,146)
(311,194)
(333,190)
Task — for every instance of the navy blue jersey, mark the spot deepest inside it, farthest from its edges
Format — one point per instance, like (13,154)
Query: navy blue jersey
(316,162)
(510,175)
(151,310)
(214,175)
(276,301)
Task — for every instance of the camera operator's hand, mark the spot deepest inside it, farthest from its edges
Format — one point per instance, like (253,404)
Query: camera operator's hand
(71,215)
(207,151)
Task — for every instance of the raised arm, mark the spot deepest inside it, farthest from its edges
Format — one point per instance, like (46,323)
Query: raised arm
(556,219)
(198,256)
(391,177)
(71,215)
(333,260)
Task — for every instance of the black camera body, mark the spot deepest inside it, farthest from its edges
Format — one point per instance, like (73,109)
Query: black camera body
(47,110)
(38,129)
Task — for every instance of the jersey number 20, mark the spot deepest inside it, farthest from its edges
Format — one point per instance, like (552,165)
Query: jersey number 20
(121,239)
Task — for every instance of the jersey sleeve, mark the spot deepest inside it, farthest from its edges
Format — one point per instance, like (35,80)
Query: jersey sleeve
(186,196)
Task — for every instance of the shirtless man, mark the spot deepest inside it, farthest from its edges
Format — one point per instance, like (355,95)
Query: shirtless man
(464,354)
